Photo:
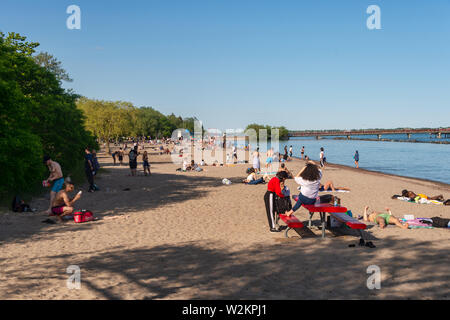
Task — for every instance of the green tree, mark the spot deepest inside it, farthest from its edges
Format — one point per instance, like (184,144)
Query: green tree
(37,117)
(52,64)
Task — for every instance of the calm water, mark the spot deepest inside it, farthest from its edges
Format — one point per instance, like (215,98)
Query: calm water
(419,160)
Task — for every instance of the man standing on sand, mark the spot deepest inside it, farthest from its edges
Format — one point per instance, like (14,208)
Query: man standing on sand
(62,205)
(133,160)
(56,177)
(89,169)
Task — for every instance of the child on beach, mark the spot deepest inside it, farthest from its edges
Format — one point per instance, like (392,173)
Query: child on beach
(383,219)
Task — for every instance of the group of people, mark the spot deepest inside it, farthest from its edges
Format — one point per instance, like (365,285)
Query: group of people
(277,199)
(133,159)
(60,204)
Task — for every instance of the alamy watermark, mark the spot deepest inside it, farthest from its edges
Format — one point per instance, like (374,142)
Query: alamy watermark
(374,280)
(374,20)
(221,147)
(74,20)
(74,280)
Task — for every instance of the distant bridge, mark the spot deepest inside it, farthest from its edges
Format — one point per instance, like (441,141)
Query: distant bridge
(439,132)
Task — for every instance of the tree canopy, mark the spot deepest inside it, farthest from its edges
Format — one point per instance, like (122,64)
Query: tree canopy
(115,119)
(37,117)
(283,132)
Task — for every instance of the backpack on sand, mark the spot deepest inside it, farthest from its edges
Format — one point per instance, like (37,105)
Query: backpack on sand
(83,216)
(18,205)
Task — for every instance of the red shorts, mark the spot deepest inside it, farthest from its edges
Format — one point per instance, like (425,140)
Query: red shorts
(58,210)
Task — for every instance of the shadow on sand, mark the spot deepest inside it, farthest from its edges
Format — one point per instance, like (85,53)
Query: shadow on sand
(287,271)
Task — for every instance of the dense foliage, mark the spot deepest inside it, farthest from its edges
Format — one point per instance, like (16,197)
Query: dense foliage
(283,132)
(37,117)
(110,120)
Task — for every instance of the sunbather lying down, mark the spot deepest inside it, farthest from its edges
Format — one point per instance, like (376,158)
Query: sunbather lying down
(413,196)
(329,186)
(383,219)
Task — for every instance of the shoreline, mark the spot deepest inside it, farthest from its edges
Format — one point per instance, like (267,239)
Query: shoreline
(380,173)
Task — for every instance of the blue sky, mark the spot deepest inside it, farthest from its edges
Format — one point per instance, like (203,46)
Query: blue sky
(301,64)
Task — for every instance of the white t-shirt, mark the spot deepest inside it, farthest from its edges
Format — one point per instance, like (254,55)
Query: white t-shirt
(321,155)
(309,189)
(251,177)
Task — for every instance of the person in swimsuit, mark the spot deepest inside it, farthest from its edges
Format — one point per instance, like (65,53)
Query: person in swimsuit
(269,158)
(413,196)
(56,176)
(146,163)
(62,205)
(383,219)
(120,155)
(329,186)
(303,151)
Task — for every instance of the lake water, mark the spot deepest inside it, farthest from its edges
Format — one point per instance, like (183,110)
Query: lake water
(417,160)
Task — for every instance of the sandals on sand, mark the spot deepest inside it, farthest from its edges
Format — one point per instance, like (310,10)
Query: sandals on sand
(362,243)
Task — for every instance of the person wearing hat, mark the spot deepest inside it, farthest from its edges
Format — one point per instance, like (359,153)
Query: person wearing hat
(56,177)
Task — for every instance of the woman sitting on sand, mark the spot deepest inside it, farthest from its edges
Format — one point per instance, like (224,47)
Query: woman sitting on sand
(252,179)
(383,219)
(309,180)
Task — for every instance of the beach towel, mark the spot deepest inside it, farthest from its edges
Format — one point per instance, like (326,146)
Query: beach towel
(421,201)
(417,224)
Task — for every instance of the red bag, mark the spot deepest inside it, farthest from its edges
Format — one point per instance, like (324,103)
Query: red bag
(83,216)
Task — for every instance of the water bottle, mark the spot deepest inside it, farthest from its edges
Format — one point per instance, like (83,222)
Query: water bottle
(335,202)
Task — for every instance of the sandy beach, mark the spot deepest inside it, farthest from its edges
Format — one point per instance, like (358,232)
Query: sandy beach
(185,235)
